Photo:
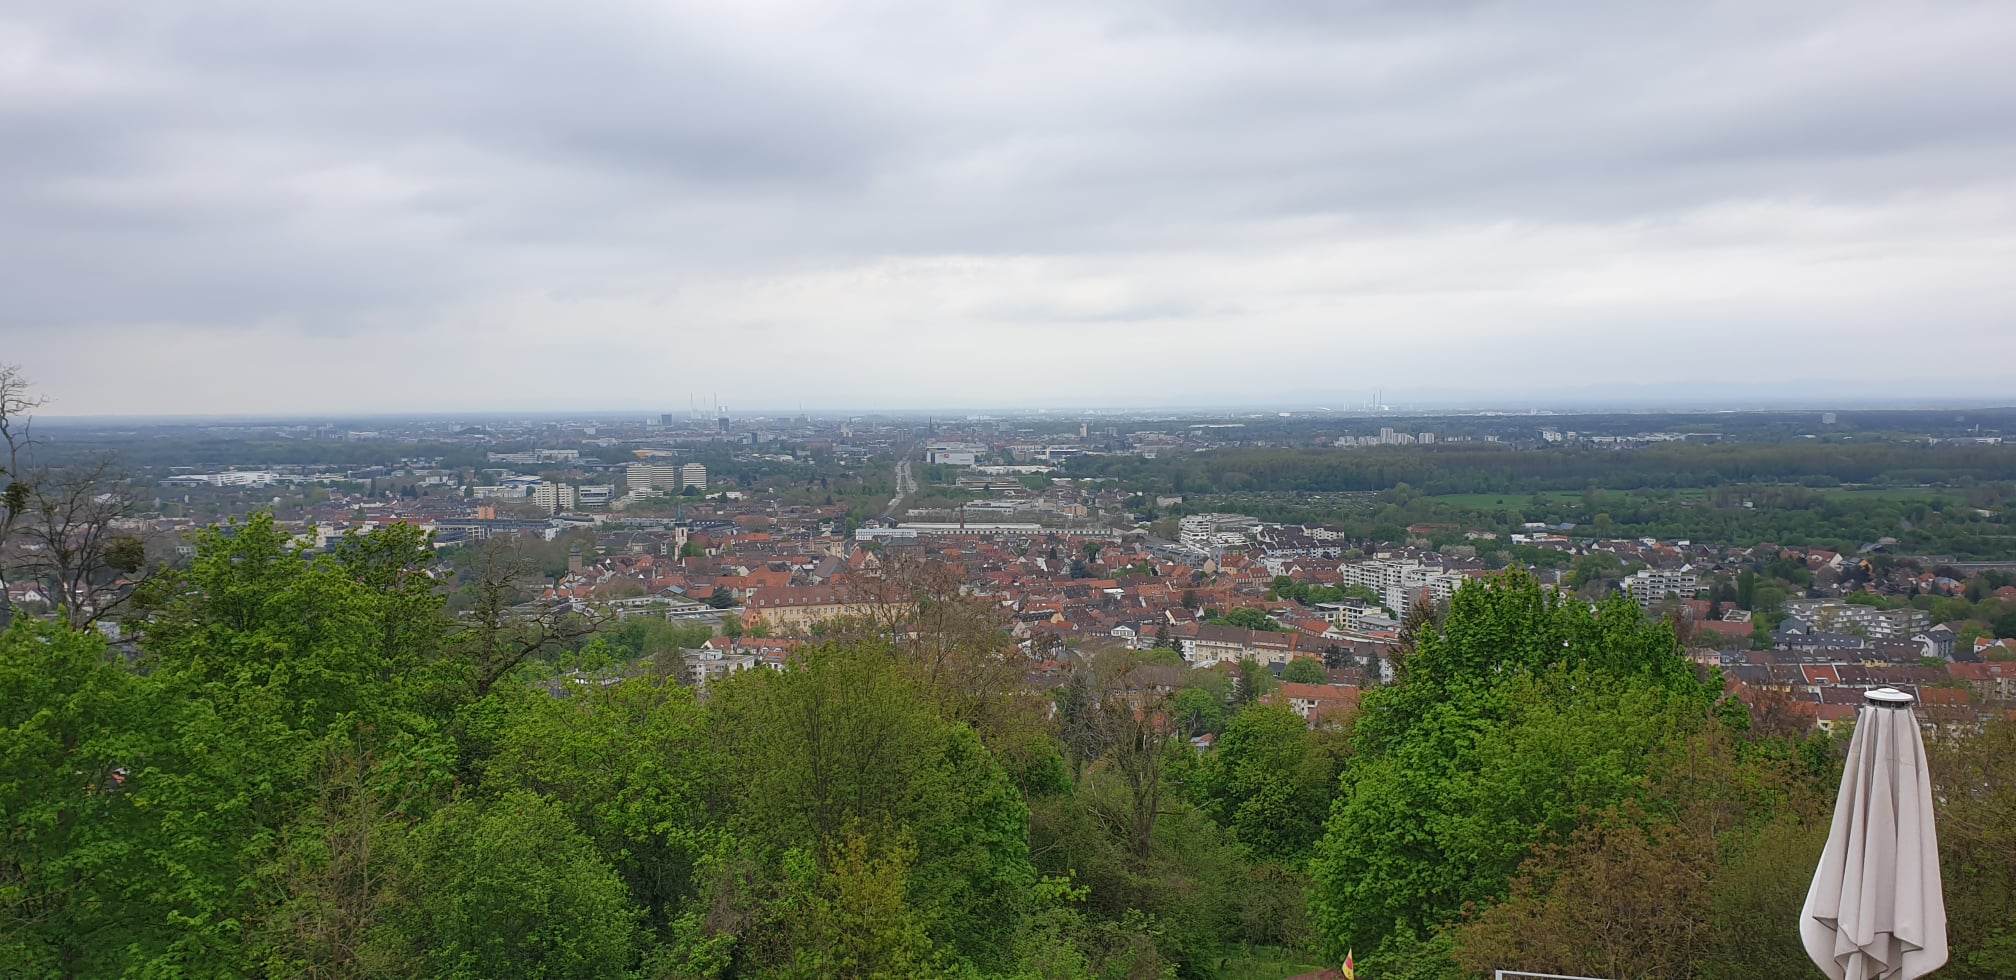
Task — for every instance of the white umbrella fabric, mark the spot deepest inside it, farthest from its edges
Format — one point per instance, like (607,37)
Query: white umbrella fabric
(1875,911)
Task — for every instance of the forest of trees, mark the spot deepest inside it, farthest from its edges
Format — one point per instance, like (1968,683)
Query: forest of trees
(306,766)
(1488,468)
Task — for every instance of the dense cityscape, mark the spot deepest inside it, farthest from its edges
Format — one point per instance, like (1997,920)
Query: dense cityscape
(1080,532)
(1172,621)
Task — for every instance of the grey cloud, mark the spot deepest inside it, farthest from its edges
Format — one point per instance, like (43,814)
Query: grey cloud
(336,169)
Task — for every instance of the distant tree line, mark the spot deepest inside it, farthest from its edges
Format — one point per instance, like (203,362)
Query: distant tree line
(1480,468)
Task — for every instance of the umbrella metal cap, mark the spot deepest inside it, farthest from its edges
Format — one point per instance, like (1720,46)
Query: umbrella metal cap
(1888,697)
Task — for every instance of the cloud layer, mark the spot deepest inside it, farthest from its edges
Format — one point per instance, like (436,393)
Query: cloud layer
(277,208)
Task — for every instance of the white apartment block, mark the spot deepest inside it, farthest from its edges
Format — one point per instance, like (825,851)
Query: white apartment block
(553,497)
(651,476)
(1402,584)
(232,478)
(1650,587)
(1352,615)
(1835,616)
(505,491)
(1211,532)
(538,456)
(693,475)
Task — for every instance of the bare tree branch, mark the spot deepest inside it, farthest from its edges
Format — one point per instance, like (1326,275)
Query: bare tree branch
(502,629)
(17,405)
(78,539)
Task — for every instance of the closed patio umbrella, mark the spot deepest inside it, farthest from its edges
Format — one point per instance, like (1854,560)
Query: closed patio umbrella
(1875,911)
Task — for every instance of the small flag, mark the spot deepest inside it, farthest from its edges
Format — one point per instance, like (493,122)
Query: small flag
(1350,968)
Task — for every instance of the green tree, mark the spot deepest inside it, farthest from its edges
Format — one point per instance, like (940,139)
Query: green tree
(852,919)
(1594,569)
(846,743)
(1303,670)
(636,768)
(1198,711)
(1248,618)
(300,666)
(1520,710)
(85,856)
(509,888)
(1269,781)
(1251,682)
(1974,781)
(1687,880)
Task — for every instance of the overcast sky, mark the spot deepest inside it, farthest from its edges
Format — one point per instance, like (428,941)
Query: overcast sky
(262,207)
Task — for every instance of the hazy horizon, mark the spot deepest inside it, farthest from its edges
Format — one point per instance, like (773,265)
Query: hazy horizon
(956,413)
(379,209)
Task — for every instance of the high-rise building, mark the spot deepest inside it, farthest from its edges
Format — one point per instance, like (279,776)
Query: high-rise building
(554,497)
(665,420)
(693,475)
(652,476)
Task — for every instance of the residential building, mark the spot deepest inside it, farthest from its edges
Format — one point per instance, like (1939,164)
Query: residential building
(1650,587)
(1874,622)
(1211,532)
(538,456)
(1402,584)
(553,497)
(1204,645)
(704,666)
(693,475)
(652,476)
(1350,614)
(911,531)
(1317,703)
(798,607)
(233,478)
